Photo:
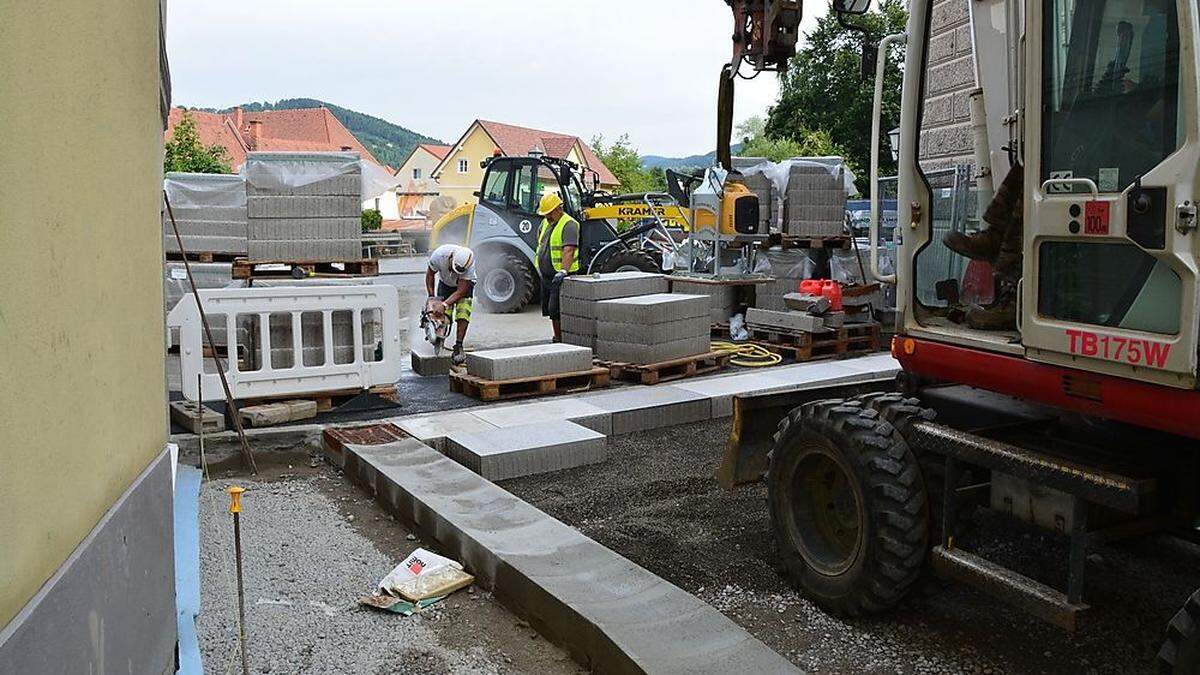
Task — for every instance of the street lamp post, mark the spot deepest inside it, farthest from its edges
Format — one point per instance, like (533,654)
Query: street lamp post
(894,141)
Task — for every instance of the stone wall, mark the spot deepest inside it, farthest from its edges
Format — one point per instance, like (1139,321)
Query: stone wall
(950,77)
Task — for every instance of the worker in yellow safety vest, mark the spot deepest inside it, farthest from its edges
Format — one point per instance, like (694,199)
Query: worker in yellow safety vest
(557,255)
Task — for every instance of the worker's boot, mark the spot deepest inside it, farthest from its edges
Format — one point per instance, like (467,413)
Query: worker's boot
(982,245)
(458,357)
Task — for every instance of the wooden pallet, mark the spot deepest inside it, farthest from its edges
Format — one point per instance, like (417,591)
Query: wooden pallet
(791,241)
(328,400)
(498,390)
(244,268)
(850,340)
(203,256)
(666,371)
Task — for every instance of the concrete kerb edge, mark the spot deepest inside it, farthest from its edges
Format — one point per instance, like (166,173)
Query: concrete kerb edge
(225,445)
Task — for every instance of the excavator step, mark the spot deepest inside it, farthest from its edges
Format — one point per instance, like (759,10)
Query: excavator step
(1007,585)
(1094,484)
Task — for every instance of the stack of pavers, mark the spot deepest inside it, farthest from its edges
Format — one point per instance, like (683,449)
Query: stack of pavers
(581,293)
(722,298)
(816,201)
(210,211)
(651,329)
(805,313)
(788,269)
(304,206)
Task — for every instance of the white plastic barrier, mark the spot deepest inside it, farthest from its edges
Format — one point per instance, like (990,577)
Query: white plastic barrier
(291,346)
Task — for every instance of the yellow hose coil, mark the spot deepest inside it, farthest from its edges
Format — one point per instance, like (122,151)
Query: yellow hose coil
(747,354)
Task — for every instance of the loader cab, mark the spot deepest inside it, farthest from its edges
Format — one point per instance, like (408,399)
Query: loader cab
(1098,102)
(513,186)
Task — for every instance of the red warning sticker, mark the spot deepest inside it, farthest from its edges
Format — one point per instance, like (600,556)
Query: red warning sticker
(1096,217)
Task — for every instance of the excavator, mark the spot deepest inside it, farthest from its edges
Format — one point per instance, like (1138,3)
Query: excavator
(1080,411)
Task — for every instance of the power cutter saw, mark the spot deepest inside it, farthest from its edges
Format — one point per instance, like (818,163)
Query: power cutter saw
(436,324)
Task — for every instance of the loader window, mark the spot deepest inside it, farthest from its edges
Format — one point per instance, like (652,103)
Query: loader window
(495,186)
(1114,285)
(526,193)
(1110,98)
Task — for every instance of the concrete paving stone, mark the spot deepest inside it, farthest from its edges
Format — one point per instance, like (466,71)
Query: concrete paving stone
(656,308)
(433,429)
(793,321)
(528,449)
(584,309)
(721,295)
(641,353)
(578,340)
(806,302)
(560,408)
(833,320)
(303,207)
(721,390)
(425,364)
(653,333)
(640,408)
(613,285)
(530,361)
(578,324)
(610,613)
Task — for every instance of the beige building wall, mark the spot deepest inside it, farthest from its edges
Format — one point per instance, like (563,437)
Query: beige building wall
(82,400)
(417,191)
(462,186)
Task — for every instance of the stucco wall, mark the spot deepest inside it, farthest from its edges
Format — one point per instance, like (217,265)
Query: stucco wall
(477,147)
(82,408)
(949,78)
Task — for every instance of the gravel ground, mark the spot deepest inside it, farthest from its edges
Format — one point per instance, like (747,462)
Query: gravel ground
(655,501)
(312,546)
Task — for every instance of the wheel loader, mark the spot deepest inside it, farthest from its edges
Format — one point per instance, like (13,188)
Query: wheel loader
(1077,409)
(502,227)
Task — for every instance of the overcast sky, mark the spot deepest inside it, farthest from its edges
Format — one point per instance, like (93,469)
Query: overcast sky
(643,67)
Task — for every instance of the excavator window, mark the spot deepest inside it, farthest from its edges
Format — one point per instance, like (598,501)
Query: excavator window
(1111,89)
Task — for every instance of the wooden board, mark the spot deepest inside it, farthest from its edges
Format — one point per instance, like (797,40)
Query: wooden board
(497,390)
(666,371)
(203,256)
(282,412)
(253,269)
(850,340)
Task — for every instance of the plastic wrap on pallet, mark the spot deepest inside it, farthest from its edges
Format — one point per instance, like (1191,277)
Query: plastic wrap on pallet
(205,190)
(780,172)
(207,275)
(210,210)
(287,171)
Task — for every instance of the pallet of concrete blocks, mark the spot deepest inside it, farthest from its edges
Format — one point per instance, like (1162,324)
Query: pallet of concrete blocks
(815,203)
(304,206)
(535,370)
(580,294)
(210,212)
(722,298)
(788,269)
(653,338)
(810,330)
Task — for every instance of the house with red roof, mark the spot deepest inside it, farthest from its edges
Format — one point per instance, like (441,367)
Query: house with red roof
(300,130)
(459,174)
(417,189)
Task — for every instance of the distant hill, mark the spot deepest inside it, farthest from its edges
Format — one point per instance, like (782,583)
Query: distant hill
(390,143)
(691,162)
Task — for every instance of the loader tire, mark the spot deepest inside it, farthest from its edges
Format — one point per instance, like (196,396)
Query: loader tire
(901,411)
(630,260)
(848,506)
(505,284)
(1180,653)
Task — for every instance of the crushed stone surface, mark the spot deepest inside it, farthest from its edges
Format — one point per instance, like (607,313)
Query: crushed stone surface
(312,546)
(655,500)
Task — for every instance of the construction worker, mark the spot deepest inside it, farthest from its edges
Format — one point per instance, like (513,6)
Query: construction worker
(1000,243)
(557,255)
(454,269)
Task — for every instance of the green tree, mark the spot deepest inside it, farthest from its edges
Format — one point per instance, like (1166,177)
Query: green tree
(626,164)
(824,91)
(809,143)
(185,152)
(372,220)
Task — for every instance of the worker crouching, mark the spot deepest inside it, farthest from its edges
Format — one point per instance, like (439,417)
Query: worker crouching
(452,268)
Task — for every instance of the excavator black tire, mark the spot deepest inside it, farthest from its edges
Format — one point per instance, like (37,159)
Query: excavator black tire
(630,260)
(848,507)
(496,273)
(1180,653)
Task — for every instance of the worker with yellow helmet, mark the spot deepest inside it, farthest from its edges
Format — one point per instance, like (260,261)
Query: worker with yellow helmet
(557,255)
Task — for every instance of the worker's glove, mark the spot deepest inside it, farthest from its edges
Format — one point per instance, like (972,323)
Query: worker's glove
(558,278)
